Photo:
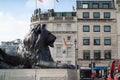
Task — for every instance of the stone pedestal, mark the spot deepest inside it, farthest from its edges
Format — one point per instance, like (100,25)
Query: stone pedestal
(38,74)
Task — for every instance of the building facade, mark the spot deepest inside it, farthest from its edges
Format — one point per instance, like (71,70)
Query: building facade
(63,26)
(118,23)
(95,27)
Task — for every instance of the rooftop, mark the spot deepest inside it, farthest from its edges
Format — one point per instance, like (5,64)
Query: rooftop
(95,4)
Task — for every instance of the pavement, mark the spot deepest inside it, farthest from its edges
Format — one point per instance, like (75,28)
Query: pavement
(100,79)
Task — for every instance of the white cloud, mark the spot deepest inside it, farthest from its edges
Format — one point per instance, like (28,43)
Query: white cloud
(46,4)
(1,14)
(12,28)
(30,3)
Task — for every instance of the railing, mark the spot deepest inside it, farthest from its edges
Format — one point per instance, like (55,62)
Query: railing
(69,18)
(44,18)
(58,18)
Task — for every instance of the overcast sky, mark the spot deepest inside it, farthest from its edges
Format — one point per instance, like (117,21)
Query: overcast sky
(15,15)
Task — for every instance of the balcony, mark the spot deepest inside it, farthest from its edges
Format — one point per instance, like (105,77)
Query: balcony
(44,18)
(58,18)
(69,17)
(64,15)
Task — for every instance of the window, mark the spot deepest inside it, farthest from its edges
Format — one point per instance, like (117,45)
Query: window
(86,41)
(86,28)
(68,28)
(107,54)
(107,41)
(69,51)
(97,54)
(68,14)
(86,54)
(96,28)
(85,14)
(58,51)
(117,1)
(118,7)
(58,27)
(68,38)
(106,14)
(95,5)
(105,5)
(96,15)
(69,62)
(58,38)
(107,28)
(58,14)
(58,61)
(96,41)
(78,5)
(85,5)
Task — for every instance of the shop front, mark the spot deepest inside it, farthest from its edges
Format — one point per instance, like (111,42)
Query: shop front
(101,71)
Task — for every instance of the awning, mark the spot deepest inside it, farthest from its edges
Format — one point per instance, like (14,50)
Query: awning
(100,68)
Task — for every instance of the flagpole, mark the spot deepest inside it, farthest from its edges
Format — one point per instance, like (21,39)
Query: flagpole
(36,4)
(54,5)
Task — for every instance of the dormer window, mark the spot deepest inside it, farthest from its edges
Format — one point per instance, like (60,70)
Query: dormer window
(95,5)
(85,5)
(105,5)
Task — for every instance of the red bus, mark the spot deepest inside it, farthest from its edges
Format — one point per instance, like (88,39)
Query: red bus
(114,68)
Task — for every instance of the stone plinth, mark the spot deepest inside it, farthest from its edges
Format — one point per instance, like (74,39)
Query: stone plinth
(38,74)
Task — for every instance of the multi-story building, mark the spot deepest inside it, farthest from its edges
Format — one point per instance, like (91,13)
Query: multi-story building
(63,25)
(98,31)
(95,26)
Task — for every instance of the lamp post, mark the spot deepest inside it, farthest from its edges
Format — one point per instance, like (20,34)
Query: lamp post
(91,65)
(76,54)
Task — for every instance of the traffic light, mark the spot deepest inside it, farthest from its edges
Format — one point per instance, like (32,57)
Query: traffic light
(90,65)
(93,64)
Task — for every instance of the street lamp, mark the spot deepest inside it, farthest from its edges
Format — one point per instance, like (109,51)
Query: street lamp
(92,64)
(76,54)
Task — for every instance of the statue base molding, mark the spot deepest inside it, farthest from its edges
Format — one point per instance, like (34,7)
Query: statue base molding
(38,74)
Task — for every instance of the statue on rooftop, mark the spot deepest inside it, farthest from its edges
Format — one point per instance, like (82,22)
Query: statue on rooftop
(35,52)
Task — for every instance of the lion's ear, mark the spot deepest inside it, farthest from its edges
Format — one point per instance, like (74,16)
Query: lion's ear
(43,26)
(38,25)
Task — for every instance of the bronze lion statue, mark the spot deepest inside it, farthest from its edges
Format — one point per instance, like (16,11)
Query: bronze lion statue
(35,52)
